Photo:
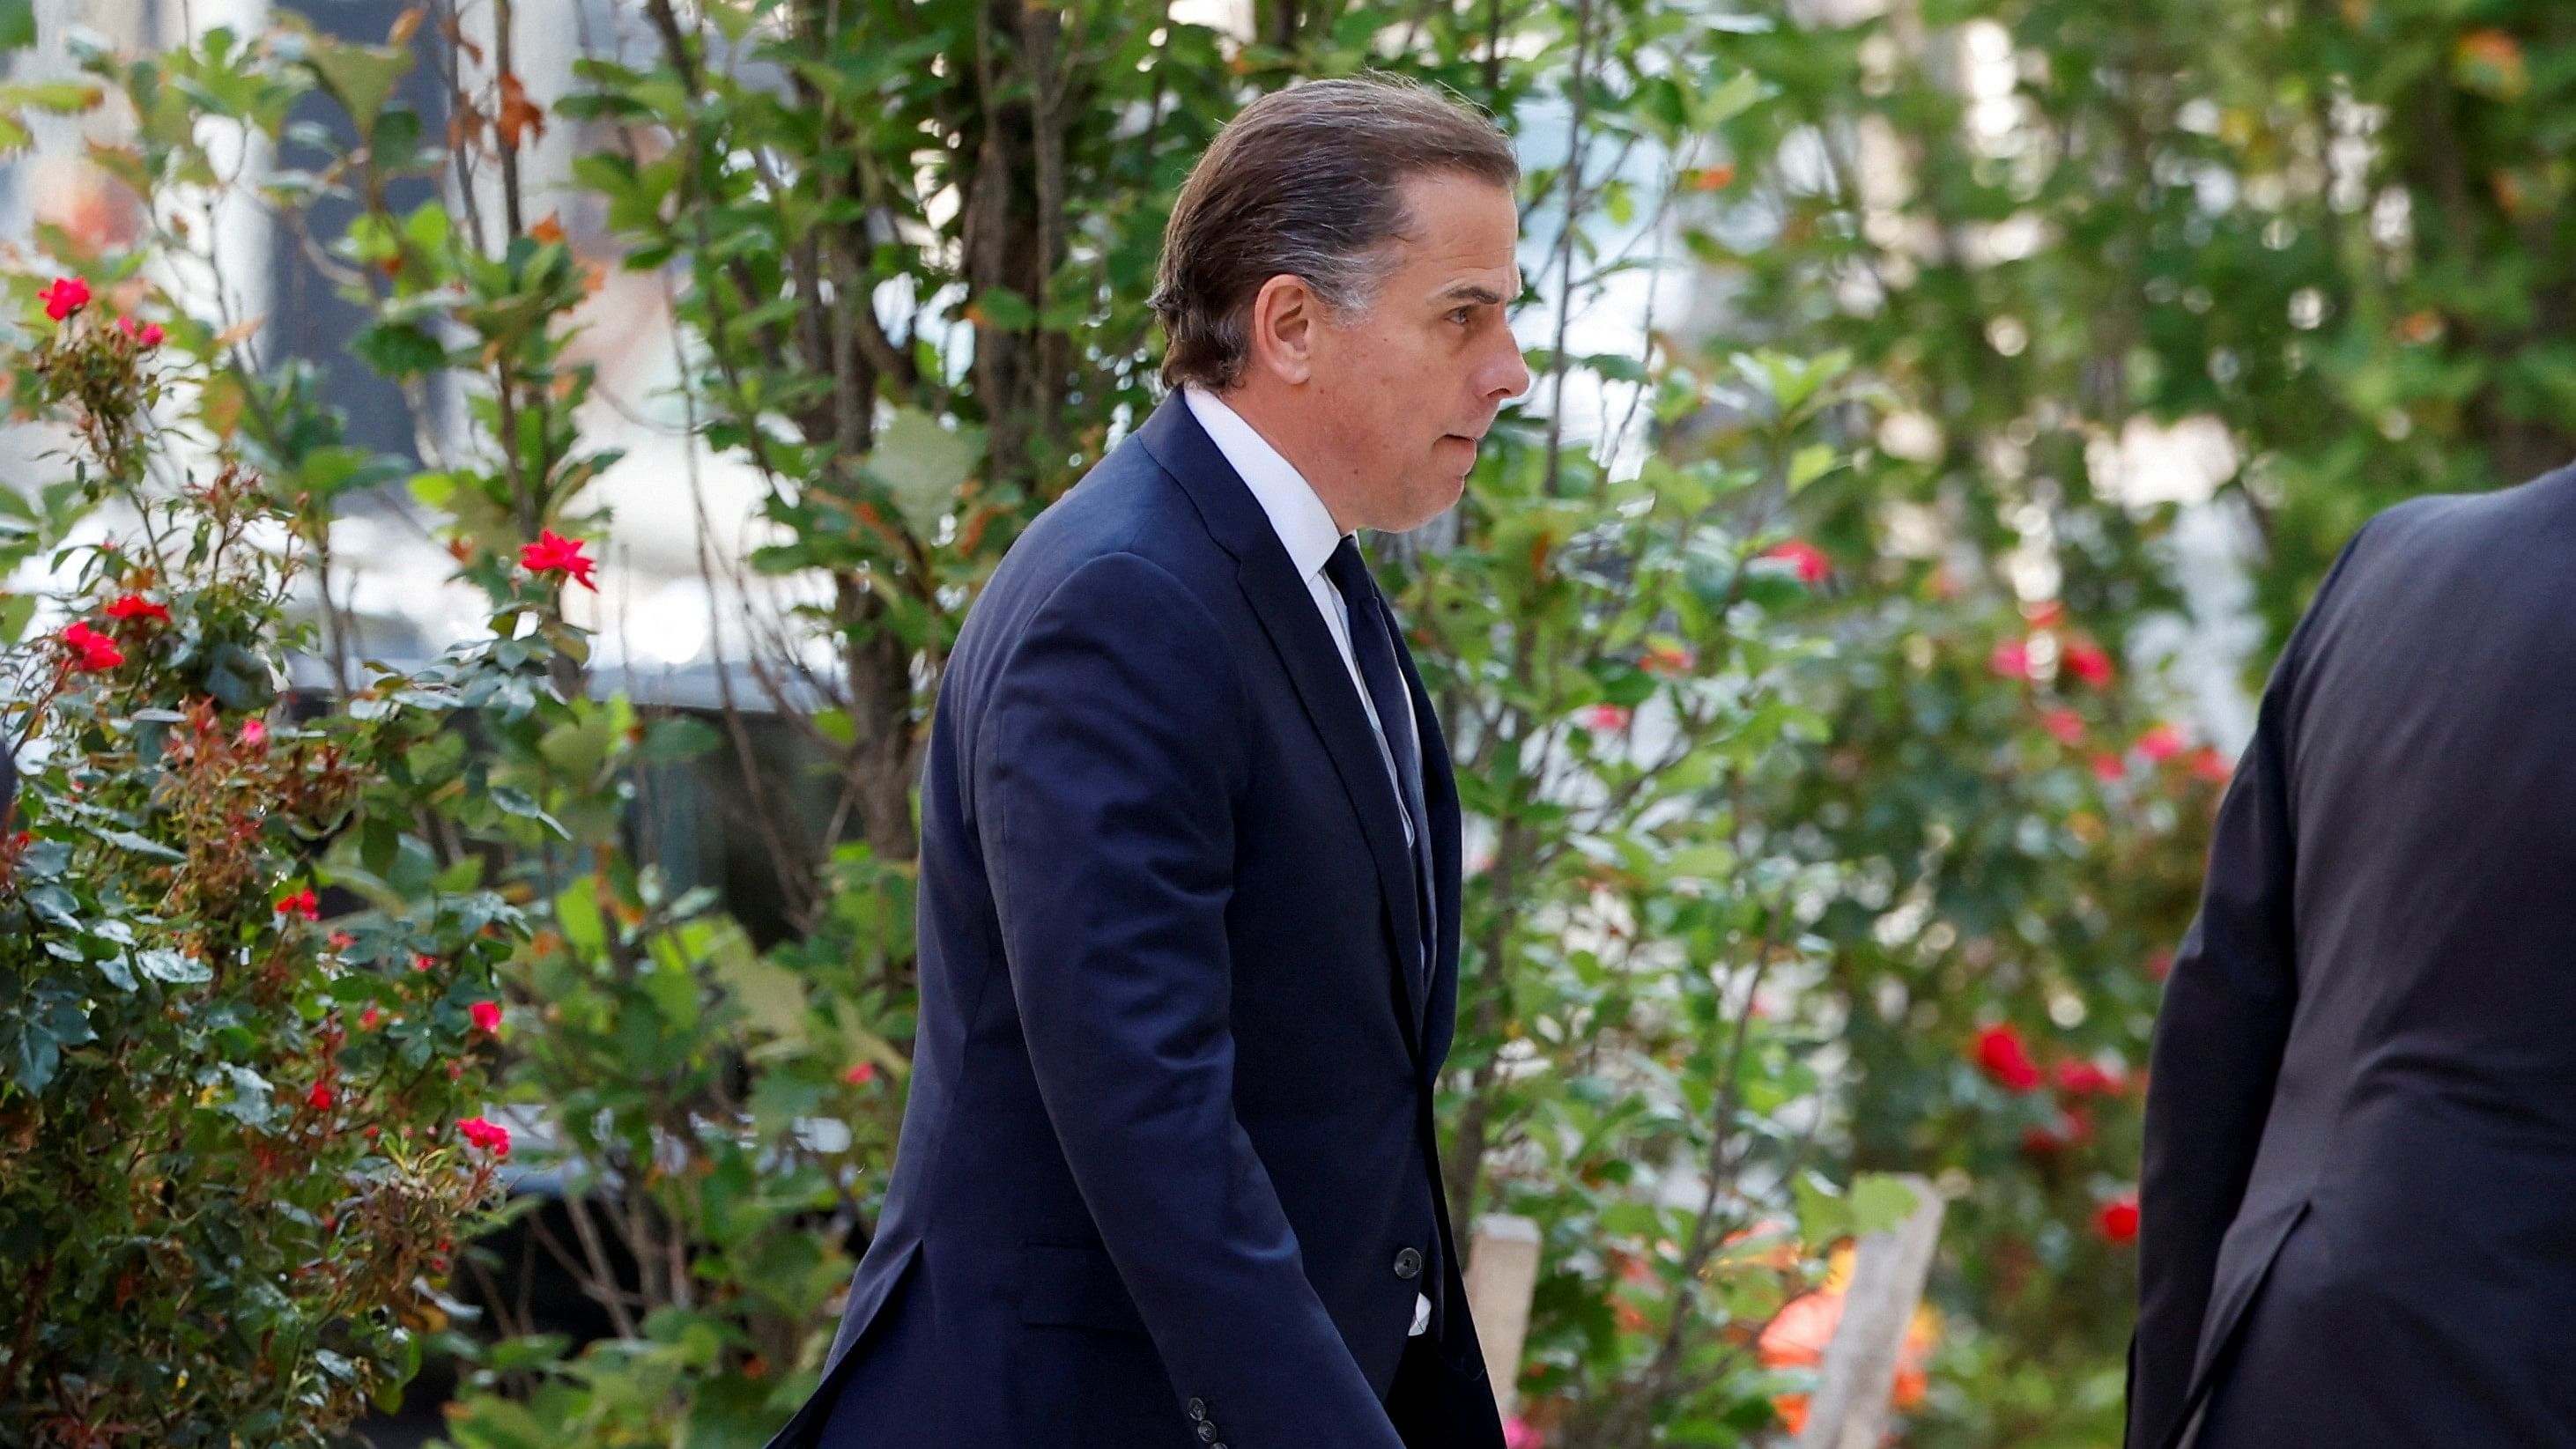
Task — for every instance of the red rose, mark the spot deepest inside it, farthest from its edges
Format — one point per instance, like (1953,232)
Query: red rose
(300,903)
(2066,724)
(320,1097)
(485,1134)
(147,335)
(487,1015)
(2210,765)
(2086,661)
(2109,769)
(2011,659)
(66,296)
(2077,1077)
(2003,1056)
(91,650)
(1812,565)
(860,1075)
(553,553)
(1610,718)
(368,1018)
(2117,1222)
(130,607)
(2161,743)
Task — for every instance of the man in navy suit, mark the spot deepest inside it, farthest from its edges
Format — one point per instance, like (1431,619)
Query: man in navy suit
(2358,1209)
(1189,869)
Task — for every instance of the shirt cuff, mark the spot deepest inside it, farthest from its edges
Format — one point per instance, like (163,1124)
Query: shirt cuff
(1421,1315)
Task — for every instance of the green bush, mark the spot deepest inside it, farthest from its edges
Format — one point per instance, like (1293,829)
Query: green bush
(238,1139)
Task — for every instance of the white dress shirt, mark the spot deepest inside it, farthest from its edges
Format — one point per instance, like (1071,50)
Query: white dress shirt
(1306,529)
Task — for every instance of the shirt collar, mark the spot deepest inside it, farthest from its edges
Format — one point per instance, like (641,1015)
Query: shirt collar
(1304,525)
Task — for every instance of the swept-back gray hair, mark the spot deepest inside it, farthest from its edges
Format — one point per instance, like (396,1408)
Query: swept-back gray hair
(1306,181)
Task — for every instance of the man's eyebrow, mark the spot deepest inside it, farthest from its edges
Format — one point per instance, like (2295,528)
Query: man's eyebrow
(1472,292)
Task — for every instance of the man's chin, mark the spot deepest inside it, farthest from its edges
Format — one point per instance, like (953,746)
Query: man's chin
(1429,502)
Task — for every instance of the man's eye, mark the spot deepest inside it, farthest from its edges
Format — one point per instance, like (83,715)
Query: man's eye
(1461,315)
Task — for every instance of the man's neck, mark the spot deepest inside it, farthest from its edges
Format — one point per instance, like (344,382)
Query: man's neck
(1276,418)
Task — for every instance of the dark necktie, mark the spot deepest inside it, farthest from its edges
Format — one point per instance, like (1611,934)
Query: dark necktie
(1373,649)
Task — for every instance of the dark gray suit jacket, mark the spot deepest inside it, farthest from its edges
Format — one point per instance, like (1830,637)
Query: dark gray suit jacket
(2359,1195)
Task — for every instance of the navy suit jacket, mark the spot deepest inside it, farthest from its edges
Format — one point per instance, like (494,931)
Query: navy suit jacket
(2358,1209)
(1167,1174)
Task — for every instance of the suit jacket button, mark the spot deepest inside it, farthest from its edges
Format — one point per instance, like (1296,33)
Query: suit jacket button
(1198,1408)
(1408,1263)
(1207,1431)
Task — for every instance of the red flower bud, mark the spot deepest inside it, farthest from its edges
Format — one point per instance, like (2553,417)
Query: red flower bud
(2117,1222)
(2077,1077)
(2161,743)
(2087,661)
(1813,567)
(2003,1056)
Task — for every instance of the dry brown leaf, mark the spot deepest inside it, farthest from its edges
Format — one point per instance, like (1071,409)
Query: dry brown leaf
(518,113)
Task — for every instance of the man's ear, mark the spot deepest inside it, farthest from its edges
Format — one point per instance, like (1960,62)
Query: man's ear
(1282,336)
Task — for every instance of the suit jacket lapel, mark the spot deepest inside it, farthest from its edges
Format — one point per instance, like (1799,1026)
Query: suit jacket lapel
(1280,600)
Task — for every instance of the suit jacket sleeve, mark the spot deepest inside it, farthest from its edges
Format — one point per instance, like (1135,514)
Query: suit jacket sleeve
(1110,757)
(2219,1036)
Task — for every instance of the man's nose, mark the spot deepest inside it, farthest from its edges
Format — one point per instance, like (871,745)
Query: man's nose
(1511,375)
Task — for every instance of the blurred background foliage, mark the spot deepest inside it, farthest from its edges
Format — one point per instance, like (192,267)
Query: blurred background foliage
(1944,408)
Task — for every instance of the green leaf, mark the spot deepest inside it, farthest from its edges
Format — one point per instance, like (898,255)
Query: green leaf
(1727,101)
(55,904)
(249,1102)
(771,996)
(239,679)
(17,24)
(128,840)
(361,77)
(162,964)
(394,144)
(922,464)
(678,737)
(1880,1201)
(62,98)
(519,803)
(398,350)
(1811,463)
(1006,309)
